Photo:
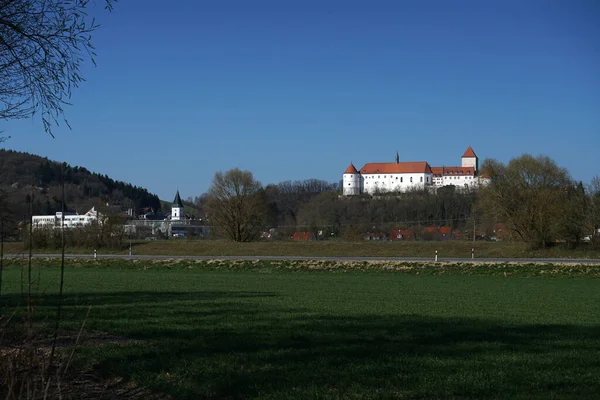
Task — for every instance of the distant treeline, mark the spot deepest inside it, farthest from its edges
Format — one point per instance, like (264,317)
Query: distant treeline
(316,205)
(530,199)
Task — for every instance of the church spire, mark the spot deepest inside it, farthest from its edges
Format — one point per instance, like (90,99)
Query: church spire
(397,157)
(177,200)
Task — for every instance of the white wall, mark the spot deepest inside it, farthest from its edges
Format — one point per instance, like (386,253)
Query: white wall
(393,182)
(352,184)
(44,220)
(469,162)
(176,213)
(71,220)
(458,180)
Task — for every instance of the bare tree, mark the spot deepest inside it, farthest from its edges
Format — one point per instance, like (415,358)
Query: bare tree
(42,46)
(593,191)
(531,195)
(236,205)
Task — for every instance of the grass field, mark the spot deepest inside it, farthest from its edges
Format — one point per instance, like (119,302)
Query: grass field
(455,248)
(280,331)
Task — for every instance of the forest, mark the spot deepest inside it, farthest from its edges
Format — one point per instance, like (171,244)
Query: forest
(27,178)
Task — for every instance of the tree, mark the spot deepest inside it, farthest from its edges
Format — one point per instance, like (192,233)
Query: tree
(593,192)
(236,204)
(530,195)
(42,46)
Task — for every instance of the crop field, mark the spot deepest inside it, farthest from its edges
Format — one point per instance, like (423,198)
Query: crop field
(281,330)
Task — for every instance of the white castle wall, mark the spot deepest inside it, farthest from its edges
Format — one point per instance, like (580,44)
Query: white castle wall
(395,182)
(469,162)
(352,184)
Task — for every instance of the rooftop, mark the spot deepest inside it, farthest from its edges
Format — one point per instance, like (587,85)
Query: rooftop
(177,201)
(417,167)
(469,152)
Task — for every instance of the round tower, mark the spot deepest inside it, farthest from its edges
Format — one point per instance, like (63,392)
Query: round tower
(351,181)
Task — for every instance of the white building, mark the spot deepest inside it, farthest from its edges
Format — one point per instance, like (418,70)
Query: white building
(177,208)
(71,219)
(401,176)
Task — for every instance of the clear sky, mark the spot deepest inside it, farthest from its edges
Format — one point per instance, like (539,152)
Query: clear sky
(297,89)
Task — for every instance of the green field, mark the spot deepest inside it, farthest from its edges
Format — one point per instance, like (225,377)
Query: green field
(277,330)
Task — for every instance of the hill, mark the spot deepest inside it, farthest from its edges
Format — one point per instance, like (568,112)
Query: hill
(23,174)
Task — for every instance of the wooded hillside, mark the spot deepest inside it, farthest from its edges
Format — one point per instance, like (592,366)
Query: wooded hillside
(22,174)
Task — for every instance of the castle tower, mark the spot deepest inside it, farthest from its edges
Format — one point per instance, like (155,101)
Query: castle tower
(351,181)
(470,160)
(177,208)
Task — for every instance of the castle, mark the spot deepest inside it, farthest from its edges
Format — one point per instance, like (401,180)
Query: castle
(402,176)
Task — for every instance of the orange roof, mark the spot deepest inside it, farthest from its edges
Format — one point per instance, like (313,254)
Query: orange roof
(469,152)
(303,236)
(417,167)
(351,169)
(445,230)
(453,171)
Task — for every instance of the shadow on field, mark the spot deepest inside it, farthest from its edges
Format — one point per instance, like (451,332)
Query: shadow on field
(241,345)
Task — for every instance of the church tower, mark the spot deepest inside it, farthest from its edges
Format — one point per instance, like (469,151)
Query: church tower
(177,208)
(470,160)
(351,181)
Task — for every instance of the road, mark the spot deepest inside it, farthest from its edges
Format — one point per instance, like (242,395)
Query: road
(310,258)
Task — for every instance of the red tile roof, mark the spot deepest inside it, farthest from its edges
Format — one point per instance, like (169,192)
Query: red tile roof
(351,169)
(303,236)
(452,171)
(469,152)
(417,167)
(444,230)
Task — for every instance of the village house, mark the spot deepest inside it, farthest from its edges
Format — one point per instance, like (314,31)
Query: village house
(71,219)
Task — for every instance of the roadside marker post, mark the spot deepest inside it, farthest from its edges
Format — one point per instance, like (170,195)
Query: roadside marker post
(95,256)
(473,253)
(436,256)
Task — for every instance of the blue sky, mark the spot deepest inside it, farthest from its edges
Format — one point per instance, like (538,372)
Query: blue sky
(298,89)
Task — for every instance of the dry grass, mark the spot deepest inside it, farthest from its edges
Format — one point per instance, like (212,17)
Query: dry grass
(331,248)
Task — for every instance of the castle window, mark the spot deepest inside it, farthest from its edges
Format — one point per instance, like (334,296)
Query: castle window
(401,180)
(421,179)
(411,179)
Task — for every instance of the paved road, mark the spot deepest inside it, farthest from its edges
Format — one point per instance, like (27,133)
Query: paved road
(302,258)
